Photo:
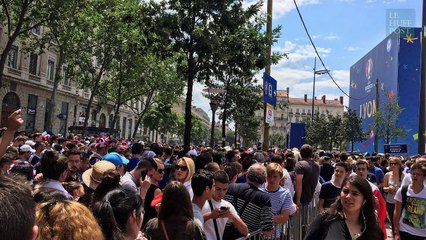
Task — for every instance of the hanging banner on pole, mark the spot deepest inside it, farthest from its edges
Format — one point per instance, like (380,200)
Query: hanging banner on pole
(269,115)
(269,89)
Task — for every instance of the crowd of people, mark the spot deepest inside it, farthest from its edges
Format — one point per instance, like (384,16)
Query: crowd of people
(99,187)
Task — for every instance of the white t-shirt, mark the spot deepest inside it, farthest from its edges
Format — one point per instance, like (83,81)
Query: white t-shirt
(221,222)
(413,217)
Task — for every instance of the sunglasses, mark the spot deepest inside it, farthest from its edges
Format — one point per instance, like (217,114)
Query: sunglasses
(392,163)
(182,168)
(160,171)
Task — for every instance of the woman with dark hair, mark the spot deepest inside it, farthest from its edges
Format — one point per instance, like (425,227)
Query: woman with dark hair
(109,181)
(175,217)
(120,214)
(54,168)
(351,217)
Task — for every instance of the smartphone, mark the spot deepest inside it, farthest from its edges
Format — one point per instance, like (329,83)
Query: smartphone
(143,174)
(224,208)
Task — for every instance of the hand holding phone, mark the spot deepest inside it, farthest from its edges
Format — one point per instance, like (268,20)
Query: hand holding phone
(224,208)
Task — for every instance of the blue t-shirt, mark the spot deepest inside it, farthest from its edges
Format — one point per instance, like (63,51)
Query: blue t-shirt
(378,173)
(133,162)
(329,193)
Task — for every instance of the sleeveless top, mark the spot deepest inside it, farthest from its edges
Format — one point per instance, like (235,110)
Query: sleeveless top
(150,212)
(389,197)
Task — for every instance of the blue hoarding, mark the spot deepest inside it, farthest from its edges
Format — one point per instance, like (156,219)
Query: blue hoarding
(269,89)
(395,63)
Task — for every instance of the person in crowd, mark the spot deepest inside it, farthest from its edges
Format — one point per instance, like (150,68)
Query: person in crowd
(232,171)
(350,217)
(391,183)
(100,150)
(74,161)
(17,211)
(137,150)
(331,190)
(84,163)
(24,169)
(212,167)
(217,212)
(120,215)
(75,188)
(49,195)
(281,200)
(202,159)
(407,178)
(410,207)
(92,177)
(25,152)
(246,163)
(175,217)
(36,156)
(307,175)
(119,161)
(66,220)
(326,168)
(133,179)
(377,171)
(362,171)
(54,169)
(153,190)
(257,214)
(5,162)
(109,181)
(184,169)
(19,140)
(202,184)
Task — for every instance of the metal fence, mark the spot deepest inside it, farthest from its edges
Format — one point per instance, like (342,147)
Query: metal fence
(295,228)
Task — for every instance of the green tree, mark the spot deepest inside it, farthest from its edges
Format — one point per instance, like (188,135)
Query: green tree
(278,140)
(352,127)
(386,119)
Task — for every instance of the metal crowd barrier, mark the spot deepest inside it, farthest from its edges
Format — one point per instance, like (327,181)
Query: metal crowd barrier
(295,228)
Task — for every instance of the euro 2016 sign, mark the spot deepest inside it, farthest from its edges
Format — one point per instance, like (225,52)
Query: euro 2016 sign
(269,89)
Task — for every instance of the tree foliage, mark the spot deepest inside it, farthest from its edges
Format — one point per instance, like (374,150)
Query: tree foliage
(353,128)
(386,119)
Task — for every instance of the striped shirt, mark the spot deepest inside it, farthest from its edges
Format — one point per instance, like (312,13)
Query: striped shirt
(257,213)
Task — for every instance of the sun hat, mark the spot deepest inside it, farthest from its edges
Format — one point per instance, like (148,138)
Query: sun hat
(92,177)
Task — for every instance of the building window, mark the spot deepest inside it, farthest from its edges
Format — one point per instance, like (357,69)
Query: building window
(12,60)
(50,69)
(33,64)
(303,111)
(297,111)
(65,79)
(63,118)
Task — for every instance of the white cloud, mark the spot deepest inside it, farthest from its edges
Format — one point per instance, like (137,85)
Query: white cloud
(353,49)
(300,52)
(199,100)
(281,8)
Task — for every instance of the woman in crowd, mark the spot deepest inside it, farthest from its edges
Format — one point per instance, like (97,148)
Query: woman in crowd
(175,218)
(54,168)
(410,201)
(153,190)
(75,188)
(58,220)
(120,215)
(184,169)
(351,217)
(391,182)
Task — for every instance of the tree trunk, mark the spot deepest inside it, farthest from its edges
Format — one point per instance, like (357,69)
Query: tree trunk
(93,93)
(52,102)
(224,116)
(188,104)
(143,112)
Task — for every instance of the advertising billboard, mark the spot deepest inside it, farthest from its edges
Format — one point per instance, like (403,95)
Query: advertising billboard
(395,65)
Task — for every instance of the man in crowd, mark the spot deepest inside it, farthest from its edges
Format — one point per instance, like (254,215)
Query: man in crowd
(17,212)
(307,175)
(218,212)
(253,205)
(202,186)
(74,161)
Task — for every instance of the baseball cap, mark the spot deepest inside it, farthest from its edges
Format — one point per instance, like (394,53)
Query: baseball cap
(26,148)
(116,159)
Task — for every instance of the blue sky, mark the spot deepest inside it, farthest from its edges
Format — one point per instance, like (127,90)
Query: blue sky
(343,32)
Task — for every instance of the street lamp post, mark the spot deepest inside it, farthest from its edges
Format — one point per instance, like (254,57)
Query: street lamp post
(213,106)
(316,72)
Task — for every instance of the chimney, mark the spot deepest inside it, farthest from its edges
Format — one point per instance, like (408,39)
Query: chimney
(323,99)
(306,97)
(288,92)
(341,100)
